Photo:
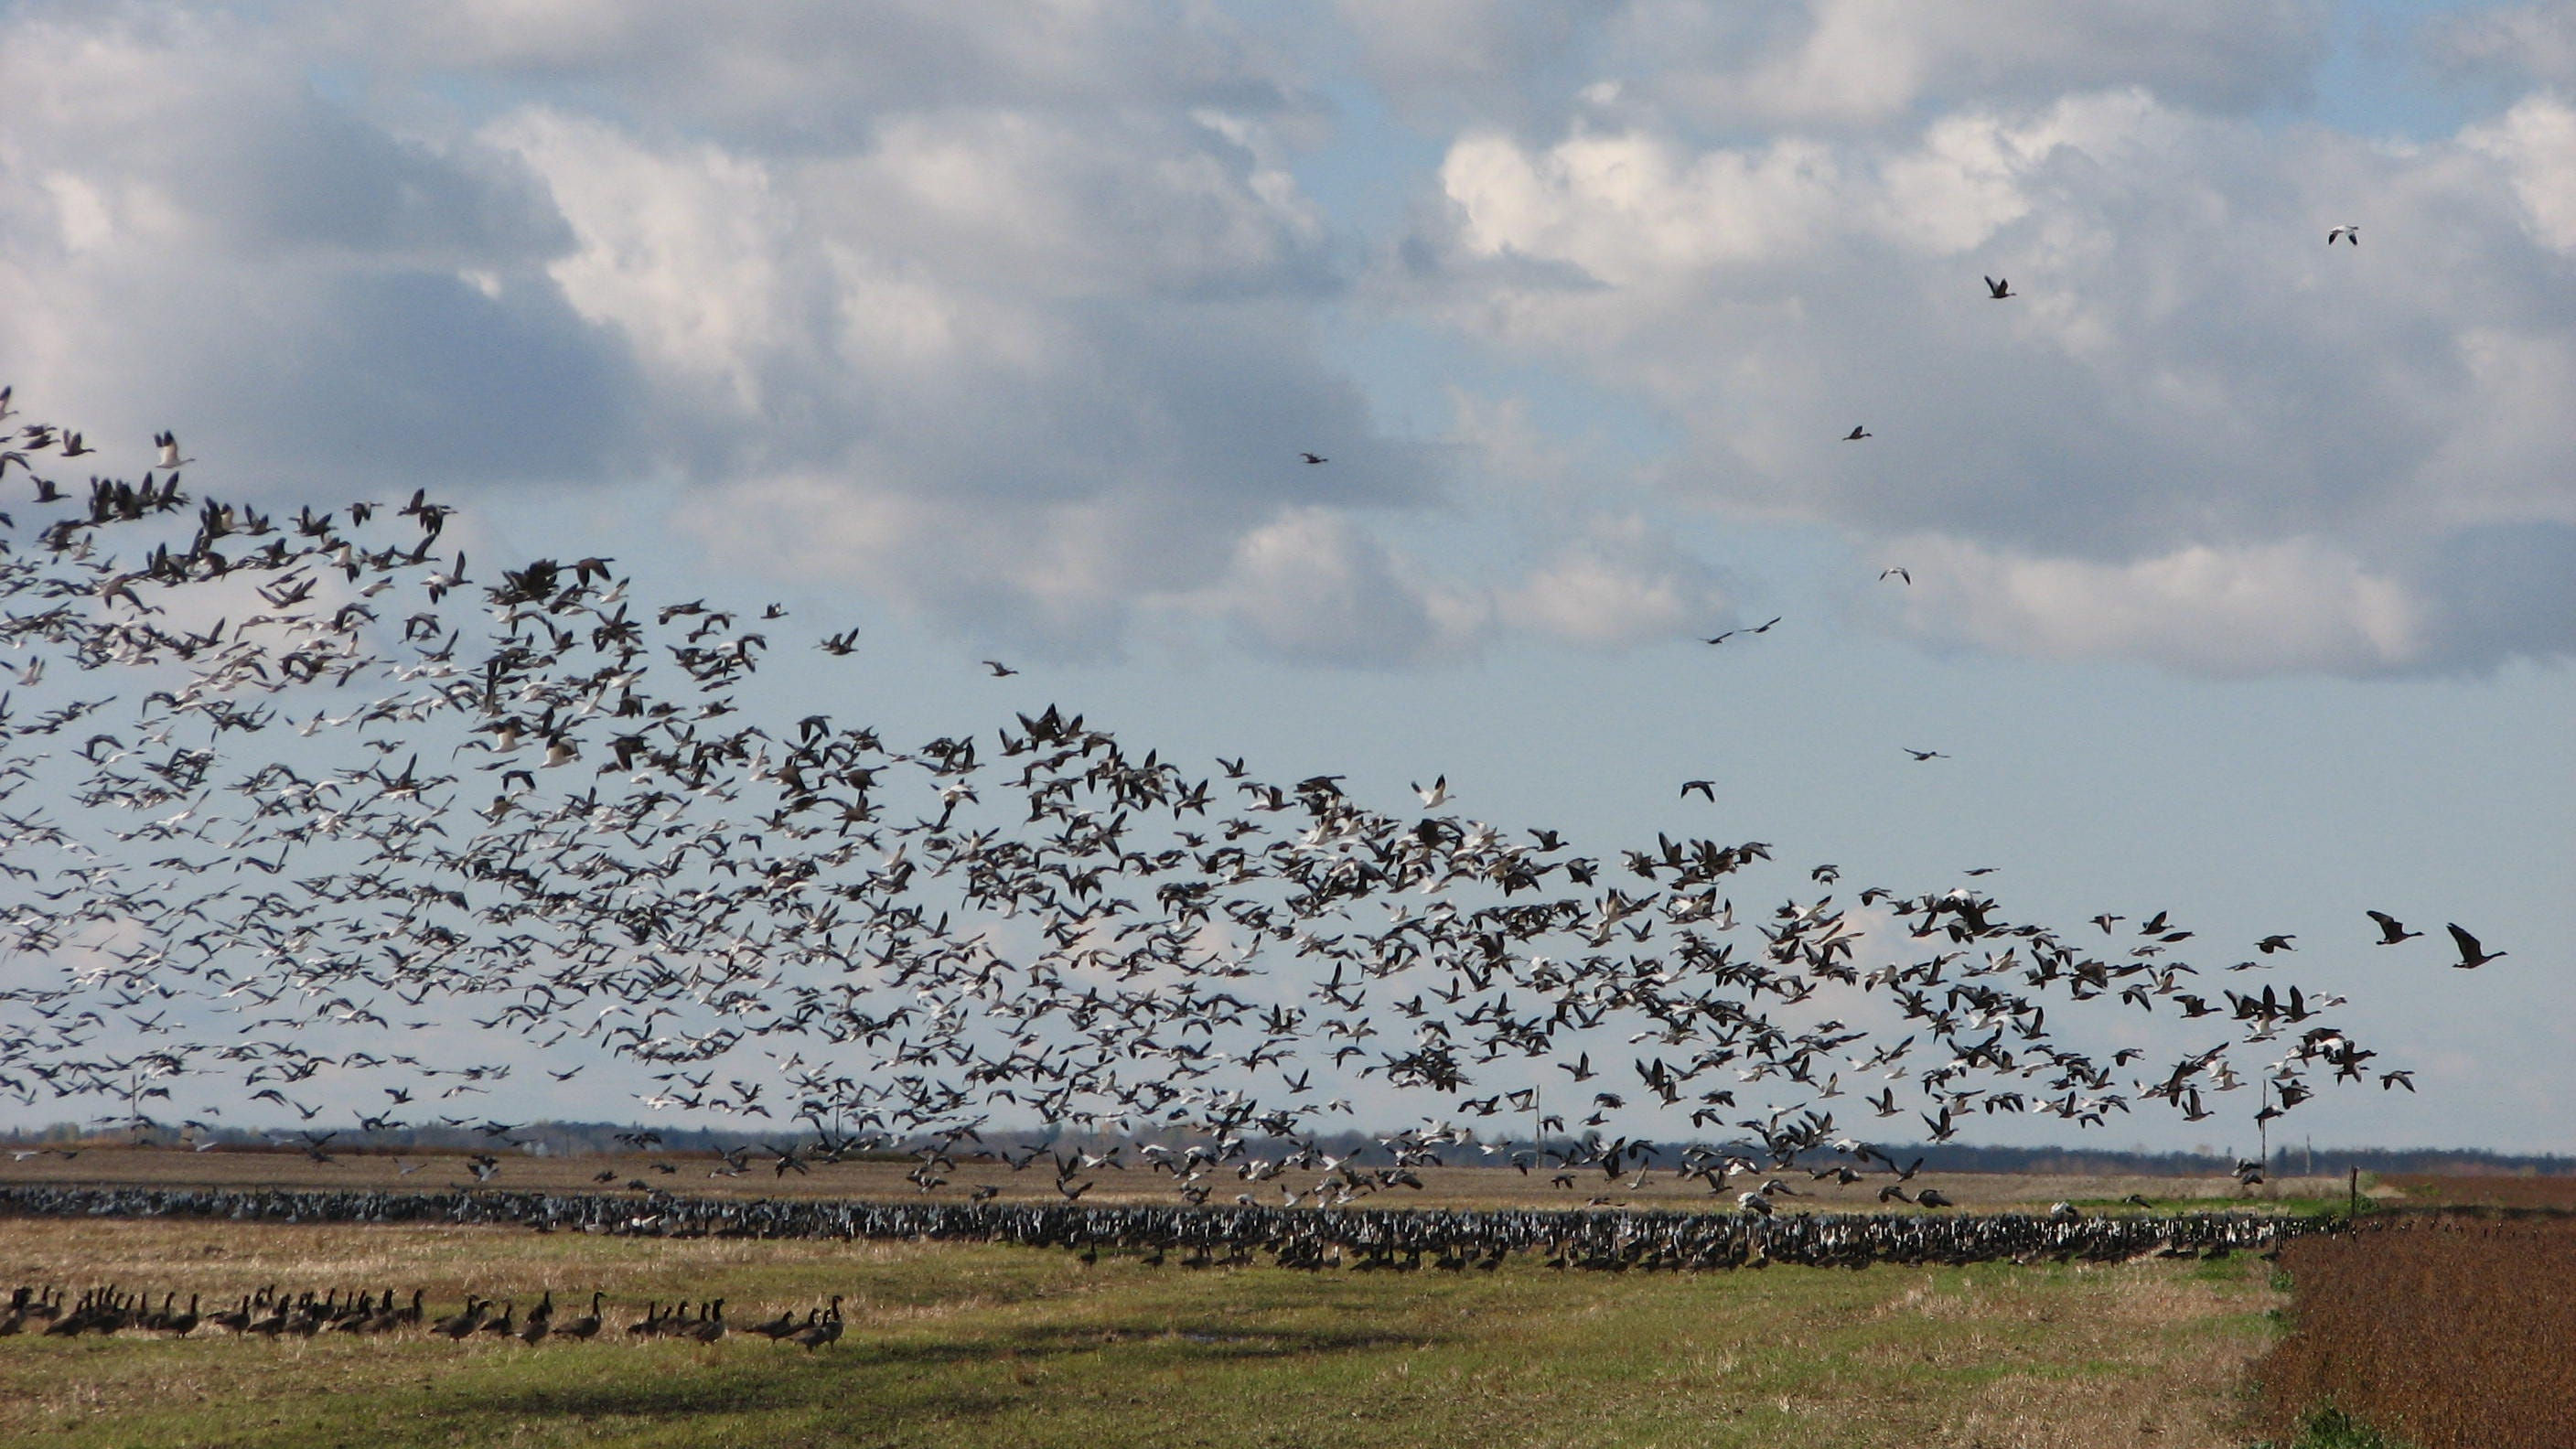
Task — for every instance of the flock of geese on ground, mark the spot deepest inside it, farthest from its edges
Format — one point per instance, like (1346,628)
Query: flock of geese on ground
(288,801)
(1196,1237)
(108,1310)
(1367,1242)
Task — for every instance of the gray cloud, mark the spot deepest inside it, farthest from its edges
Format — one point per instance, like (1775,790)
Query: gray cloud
(1024,312)
(2515,44)
(194,240)
(1823,62)
(1023,326)
(789,77)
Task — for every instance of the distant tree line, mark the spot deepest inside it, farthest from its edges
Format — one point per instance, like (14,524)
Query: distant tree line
(589,1139)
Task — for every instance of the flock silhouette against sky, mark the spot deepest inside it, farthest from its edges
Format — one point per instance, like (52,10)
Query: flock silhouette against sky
(284,797)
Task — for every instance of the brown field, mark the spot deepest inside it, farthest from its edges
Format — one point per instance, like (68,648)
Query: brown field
(2494,1190)
(1443,1187)
(2453,1332)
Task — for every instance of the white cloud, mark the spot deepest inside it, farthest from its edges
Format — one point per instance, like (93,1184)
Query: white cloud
(2187,367)
(1621,585)
(2535,142)
(2231,611)
(1628,208)
(1310,586)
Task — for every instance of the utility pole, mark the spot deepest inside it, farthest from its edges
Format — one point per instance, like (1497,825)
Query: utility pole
(2263,1129)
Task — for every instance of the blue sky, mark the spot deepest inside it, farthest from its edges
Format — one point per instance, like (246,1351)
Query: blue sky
(2241,565)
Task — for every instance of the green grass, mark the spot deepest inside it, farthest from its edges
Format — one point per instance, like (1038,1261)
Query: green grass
(2332,1428)
(984,1346)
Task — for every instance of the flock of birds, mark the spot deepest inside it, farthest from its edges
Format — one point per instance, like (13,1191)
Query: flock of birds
(284,797)
(268,1313)
(1153,1237)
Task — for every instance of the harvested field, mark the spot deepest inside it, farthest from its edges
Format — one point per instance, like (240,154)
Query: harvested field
(2485,1190)
(957,1345)
(2454,1332)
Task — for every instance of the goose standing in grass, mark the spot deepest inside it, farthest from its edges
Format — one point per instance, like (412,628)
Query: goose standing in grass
(463,1322)
(586,1327)
(540,1319)
(823,1331)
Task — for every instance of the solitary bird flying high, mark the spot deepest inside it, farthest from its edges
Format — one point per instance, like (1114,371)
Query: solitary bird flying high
(2472,955)
(2391,929)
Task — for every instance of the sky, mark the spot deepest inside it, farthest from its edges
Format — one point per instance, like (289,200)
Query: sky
(2240,567)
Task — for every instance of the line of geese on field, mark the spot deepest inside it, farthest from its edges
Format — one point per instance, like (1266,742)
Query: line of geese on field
(271,1314)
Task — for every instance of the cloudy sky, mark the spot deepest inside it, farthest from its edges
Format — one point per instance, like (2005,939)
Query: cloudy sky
(2243,568)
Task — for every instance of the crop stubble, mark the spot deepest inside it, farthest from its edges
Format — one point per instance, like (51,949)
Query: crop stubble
(2455,1331)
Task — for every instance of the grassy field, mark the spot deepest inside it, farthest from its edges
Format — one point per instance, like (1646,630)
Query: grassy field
(973,1346)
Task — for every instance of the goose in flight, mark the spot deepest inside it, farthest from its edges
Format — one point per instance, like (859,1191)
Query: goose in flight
(2351,234)
(2472,955)
(1000,670)
(1899,573)
(1857,433)
(1311,459)
(1922,755)
(2391,929)
(1999,288)
(168,443)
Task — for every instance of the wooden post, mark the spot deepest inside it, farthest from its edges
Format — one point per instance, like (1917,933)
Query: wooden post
(2353,1208)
